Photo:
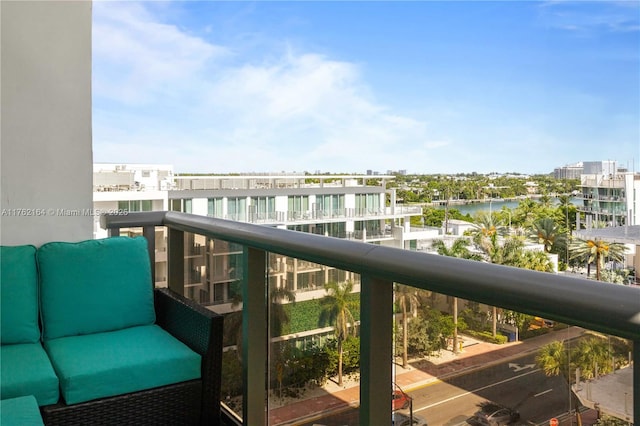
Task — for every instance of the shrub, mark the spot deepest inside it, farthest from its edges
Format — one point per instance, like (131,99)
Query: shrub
(487,336)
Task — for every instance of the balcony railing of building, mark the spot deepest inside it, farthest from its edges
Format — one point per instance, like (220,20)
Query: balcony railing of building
(613,310)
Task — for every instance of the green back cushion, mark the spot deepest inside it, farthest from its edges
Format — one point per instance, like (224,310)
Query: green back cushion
(19,295)
(94,286)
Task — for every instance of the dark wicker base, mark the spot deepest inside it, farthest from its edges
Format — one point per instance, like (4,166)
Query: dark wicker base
(177,404)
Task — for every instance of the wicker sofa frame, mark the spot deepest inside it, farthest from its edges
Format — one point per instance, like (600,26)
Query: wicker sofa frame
(195,402)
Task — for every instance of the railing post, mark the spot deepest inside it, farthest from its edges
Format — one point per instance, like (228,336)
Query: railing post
(175,260)
(255,333)
(376,350)
(149,233)
(113,232)
(636,381)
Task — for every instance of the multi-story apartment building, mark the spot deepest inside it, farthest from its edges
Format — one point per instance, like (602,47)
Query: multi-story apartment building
(609,196)
(357,207)
(570,171)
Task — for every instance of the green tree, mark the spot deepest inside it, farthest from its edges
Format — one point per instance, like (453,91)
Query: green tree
(535,261)
(279,316)
(407,299)
(508,252)
(596,250)
(428,332)
(593,357)
(336,310)
(552,359)
(545,231)
(460,249)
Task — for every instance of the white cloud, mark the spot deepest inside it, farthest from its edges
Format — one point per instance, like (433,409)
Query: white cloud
(163,94)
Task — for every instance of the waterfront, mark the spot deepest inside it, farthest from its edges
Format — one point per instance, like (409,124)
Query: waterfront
(493,205)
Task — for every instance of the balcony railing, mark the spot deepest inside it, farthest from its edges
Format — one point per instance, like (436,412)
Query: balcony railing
(614,309)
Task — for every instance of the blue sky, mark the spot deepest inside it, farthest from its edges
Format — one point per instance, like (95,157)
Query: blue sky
(334,86)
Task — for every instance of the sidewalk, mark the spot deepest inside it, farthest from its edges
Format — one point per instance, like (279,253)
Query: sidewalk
(475,354)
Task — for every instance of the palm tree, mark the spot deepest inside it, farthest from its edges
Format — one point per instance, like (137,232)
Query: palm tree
(508,253)
(597,250)
(552,359)
(336,307)
(460,249)
(593,357)
(547,232)
(278,316)
(525,212)
(408,300)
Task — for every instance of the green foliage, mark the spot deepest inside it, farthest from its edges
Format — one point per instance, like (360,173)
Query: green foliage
(231,375)
(304,315)
(350,355)
(528,334)
(428,332)
(293,368)
(610,421)
(591,354)
(487,336)
(435,217)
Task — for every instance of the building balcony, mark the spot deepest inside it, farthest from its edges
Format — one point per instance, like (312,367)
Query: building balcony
(255,393)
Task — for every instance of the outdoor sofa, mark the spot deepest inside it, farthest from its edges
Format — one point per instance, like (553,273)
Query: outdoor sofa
(85,333)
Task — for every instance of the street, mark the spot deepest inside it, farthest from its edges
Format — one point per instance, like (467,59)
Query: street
(517,384)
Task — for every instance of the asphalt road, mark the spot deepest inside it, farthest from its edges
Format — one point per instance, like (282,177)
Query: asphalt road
(517,384)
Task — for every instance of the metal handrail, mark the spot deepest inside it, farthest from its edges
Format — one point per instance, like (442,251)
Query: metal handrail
(613,309)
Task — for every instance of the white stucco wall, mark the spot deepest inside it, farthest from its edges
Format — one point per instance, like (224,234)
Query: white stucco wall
(45,152)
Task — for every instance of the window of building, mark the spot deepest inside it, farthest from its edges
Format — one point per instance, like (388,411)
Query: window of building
(214,207)
(237,208)
(181,205)
(298,206)
(135,205)
(263,208)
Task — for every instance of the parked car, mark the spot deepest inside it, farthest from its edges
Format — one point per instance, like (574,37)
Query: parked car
(495,415)
(400,400)
(401,419)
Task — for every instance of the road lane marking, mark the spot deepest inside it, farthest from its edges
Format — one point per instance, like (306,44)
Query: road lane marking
(517,367)
(542,393)
(475,390)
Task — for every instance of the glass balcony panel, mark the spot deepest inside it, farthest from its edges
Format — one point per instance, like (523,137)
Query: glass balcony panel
(439,383)
(306,339)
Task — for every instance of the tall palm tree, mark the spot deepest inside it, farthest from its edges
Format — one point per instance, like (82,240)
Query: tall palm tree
(508,253)
(525,212)
(596,250)
(460,249)
(408,300)
(552,359)
(336,310)
(546,231)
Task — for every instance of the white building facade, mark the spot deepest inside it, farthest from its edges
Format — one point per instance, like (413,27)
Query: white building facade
(610,197)
(356,207)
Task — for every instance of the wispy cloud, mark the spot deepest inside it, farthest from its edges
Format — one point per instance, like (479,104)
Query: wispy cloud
(588,16)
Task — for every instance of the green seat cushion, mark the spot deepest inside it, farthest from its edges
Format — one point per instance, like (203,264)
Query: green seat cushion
(118,362)
(19,290)
(95,286)
(26,370)
(22,411)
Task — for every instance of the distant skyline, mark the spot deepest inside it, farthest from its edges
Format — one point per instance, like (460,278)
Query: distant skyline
(423,86)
